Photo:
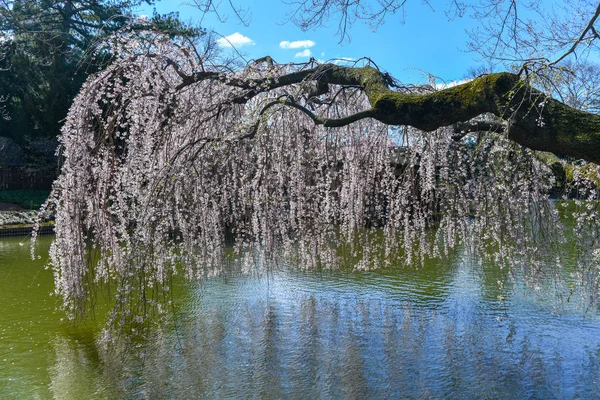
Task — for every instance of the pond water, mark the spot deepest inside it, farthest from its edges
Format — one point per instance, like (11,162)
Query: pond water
(447,330)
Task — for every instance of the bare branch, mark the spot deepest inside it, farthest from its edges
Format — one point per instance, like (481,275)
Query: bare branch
(588,28)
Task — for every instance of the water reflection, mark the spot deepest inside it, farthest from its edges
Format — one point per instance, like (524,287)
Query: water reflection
(442,331)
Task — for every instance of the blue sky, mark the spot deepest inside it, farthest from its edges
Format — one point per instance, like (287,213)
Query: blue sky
(427,43)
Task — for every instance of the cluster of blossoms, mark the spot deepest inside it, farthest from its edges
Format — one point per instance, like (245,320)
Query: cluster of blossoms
(174,166)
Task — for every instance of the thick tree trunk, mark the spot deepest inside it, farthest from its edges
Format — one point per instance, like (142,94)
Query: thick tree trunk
(533,120)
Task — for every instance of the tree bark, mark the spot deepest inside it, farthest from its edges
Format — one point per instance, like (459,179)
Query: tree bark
(533,119)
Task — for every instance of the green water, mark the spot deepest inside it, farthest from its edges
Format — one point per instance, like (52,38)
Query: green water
(447,330)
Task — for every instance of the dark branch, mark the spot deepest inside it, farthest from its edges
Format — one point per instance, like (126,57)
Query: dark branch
(318,120)
(461,129)
(588,28)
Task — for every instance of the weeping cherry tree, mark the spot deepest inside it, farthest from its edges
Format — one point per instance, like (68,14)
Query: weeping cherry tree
(174,164)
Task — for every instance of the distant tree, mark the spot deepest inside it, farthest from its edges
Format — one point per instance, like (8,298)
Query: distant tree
(579,86)
(47,55)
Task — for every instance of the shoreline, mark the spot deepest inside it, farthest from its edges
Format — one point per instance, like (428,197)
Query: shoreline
(15,230)
(17,221)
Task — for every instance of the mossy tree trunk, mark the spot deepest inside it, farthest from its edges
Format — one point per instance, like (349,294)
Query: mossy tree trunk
(533,119)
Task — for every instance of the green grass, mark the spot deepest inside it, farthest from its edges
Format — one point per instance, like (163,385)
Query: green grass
(29,199)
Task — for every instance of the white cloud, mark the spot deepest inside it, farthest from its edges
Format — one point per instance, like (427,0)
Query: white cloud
(298,44)
(304,53)
(344,60)
(453,83)
(234,40)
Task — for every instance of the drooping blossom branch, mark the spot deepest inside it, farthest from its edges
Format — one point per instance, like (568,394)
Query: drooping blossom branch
(169,158)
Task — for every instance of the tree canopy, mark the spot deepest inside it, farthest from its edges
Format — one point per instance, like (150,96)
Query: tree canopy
(46,49)
(170,157)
